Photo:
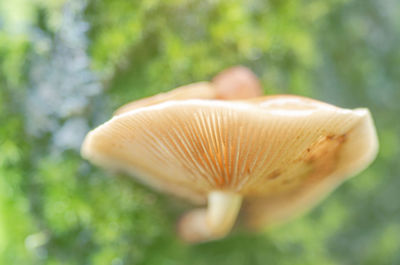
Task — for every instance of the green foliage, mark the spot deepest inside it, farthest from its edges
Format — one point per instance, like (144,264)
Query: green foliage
(159,46)
(55,208)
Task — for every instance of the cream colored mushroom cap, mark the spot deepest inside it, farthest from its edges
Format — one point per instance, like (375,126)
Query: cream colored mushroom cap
(281,153)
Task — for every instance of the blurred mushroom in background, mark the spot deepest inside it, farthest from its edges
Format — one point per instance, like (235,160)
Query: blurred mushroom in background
(222,144)
(233,83)
(237,83)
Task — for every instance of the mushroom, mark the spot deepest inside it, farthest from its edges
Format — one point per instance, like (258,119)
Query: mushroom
(276,155)
(237,83)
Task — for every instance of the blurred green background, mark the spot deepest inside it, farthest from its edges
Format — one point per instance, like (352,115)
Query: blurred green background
(65,65)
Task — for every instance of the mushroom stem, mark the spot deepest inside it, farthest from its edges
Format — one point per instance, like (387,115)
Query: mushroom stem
(214,222)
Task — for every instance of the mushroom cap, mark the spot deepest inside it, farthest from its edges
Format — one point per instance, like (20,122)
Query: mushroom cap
(278,152)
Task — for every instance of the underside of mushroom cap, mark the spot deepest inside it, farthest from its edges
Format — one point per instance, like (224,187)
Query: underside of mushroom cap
(265,149)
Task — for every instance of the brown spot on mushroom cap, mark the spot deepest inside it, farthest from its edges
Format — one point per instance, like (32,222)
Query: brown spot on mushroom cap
(191,147)
(274,174)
